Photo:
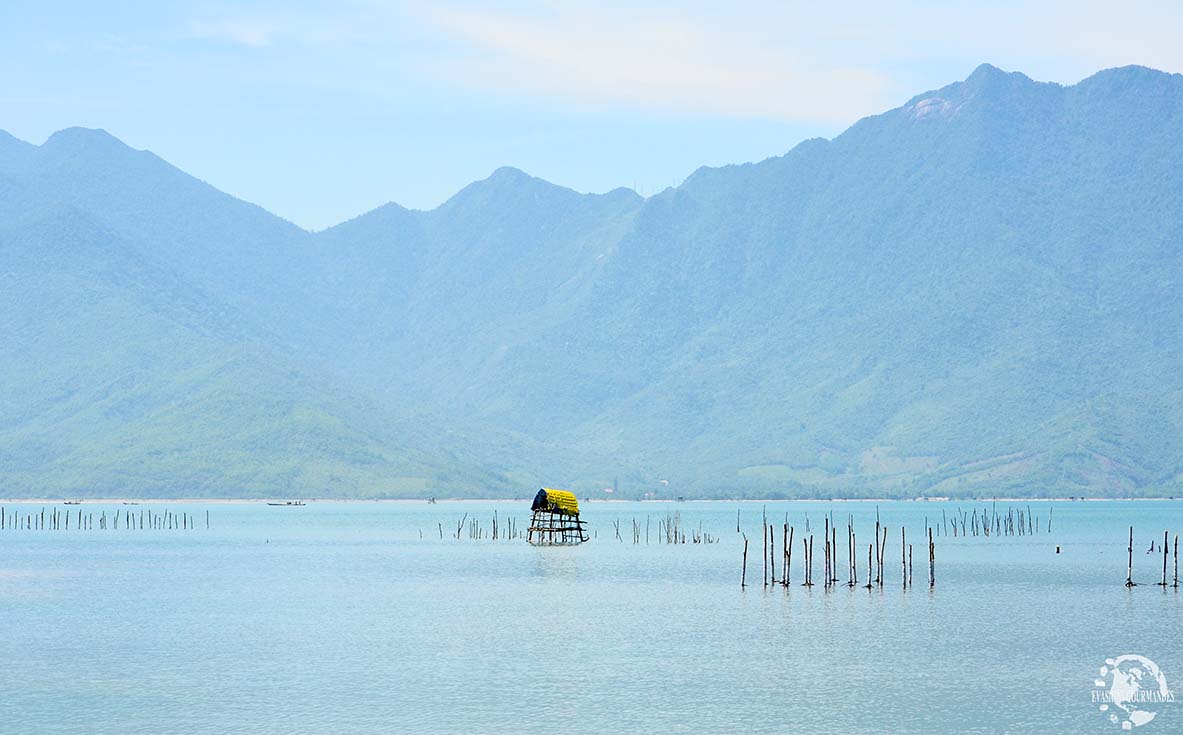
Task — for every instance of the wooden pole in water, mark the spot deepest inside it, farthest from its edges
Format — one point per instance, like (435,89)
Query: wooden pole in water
(909,565)
(786,552)
(1176,585)
(1165,538)
(743,575)
(877,552)
(932,564)
(765,552)
(826,553)
(850,563)
(789,558)
(772,553)
(904,555)
(1129,575)
(869,576)
(804,562)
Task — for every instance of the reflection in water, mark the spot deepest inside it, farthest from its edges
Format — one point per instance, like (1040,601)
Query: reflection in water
(557,562)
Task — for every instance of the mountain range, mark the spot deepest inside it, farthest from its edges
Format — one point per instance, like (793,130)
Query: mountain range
(975,293)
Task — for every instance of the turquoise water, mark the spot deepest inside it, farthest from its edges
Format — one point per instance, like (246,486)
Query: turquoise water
(358,618)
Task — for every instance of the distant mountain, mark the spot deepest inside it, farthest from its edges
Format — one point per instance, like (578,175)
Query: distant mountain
(974,293)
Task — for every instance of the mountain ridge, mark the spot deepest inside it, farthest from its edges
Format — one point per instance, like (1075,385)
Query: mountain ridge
(971,293)
(983,72)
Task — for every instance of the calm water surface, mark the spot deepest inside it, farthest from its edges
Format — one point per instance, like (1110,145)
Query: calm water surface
(351,618)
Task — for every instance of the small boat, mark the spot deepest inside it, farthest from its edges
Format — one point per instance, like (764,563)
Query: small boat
(286,503)
(71,502)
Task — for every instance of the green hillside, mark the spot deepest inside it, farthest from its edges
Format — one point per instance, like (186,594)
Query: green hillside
(975,293)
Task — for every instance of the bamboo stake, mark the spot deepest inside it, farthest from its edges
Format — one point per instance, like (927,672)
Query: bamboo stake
(904,556)
(764,554)
(743,575)
(826,553)
(772,553)
(850,564)
(877,580)
(806,562)
(932,565)
(786,552)
(1165,537)
(1129,576)
(789,558)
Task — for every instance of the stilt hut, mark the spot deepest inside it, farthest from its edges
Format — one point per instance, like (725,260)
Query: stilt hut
(555,519)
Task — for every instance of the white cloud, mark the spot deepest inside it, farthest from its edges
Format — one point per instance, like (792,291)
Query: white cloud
(781,60)
(678,65)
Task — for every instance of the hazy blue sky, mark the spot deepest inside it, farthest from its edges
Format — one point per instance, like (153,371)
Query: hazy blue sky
(321,110)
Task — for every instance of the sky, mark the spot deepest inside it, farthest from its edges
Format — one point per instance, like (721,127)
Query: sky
(319,111)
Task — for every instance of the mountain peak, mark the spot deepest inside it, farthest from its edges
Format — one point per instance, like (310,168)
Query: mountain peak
(985,73)
(508,178)
(388,215)
(506,184)
(1130,77)
(988,77)
(509,173)
(986,82)
(79,139)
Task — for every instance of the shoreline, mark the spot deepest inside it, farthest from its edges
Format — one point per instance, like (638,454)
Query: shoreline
(350,501)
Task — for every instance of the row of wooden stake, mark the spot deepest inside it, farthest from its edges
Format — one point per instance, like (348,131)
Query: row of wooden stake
(875,557)
(499,528)
(669,531)
(1166,535)
(61,519)
(1013,522)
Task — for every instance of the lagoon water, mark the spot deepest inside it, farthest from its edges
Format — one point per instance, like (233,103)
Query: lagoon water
(351,618)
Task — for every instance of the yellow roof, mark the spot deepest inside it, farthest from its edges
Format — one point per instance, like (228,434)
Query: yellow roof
(562,501)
